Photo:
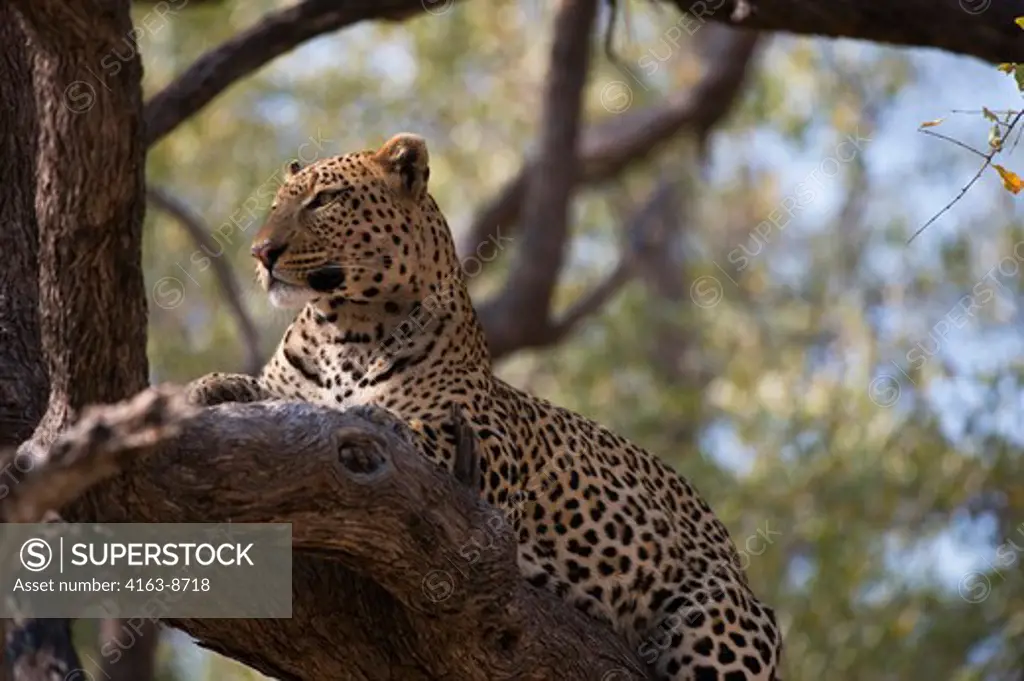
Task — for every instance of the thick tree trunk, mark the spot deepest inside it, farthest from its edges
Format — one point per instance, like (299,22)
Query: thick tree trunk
(23,386)
(89,203)
(40,645)
(75,156)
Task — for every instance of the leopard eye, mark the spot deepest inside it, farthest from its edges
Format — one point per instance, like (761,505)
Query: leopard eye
(326,196)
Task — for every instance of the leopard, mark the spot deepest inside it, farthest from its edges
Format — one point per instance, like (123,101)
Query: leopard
(358,246)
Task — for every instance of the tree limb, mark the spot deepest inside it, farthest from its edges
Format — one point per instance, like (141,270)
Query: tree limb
(91,451)
(200,235)
(642,229)
(610,146)
(276,33)
(89,232)
(548,189)
(978,28)
(613,145)
(380,536)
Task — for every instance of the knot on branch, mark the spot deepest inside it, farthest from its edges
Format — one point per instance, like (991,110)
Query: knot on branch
(363,456)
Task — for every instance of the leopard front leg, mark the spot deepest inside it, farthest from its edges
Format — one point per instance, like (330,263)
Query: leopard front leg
(217,388)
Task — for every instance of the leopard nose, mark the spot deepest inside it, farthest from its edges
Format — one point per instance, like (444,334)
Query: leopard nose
(267,252)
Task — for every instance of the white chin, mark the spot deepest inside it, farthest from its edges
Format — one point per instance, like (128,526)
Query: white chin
(287,296)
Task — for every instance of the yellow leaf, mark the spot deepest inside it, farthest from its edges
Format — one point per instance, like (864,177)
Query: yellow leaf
(987,113)
(932,124)
(1007,67)
(1011,181)
(1019,21)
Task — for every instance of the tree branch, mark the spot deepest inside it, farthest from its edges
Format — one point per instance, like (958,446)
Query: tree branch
(548,189)
(277,33)
(979,28)
(613,145)
(200,235)
(609,147)
(91,451)
(643,229)
(380,536)
(89,232)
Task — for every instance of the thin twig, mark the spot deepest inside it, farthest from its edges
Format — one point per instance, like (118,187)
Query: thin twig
(975,112)
(988,161)
(954,141)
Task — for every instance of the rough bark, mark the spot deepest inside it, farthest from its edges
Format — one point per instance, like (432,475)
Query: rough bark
(23,384)
(42,644)
(86,192)
(385,587)
(136,644)
(89,203)
(978,28)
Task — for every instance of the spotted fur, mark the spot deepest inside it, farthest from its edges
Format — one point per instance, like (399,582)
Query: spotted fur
(358,243)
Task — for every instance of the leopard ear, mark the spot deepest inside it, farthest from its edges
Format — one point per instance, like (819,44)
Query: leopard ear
(292,169)
(405,159)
